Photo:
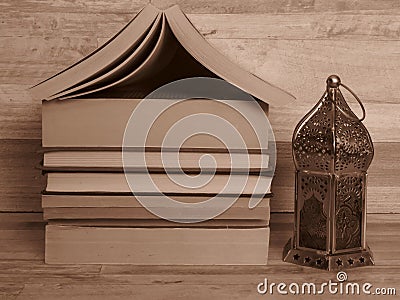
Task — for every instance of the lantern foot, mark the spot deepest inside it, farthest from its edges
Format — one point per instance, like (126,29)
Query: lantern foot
(331,262)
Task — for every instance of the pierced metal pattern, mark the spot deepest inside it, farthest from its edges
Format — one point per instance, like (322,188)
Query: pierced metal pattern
(349,212)
(332,151)
(354,150)
(313,140)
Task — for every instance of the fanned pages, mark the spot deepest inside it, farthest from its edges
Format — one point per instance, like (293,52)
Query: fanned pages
(122,63)
(137,57)
(152,62)
(103,58)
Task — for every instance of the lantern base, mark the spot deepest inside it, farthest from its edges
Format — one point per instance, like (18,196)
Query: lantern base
(330,262)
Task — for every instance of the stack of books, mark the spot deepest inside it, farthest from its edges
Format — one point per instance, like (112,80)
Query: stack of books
(100,202)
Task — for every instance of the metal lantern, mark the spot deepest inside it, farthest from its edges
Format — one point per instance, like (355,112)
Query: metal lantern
(332,151)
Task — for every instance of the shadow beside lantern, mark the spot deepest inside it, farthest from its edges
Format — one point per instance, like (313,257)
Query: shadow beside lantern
(332,151)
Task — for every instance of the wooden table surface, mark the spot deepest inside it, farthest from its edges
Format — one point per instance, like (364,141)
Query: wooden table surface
(23,274)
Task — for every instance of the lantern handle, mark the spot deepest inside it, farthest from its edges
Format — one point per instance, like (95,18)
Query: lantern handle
(358,100)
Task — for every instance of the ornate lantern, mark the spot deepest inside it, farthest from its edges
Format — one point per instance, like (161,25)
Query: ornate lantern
(332,151)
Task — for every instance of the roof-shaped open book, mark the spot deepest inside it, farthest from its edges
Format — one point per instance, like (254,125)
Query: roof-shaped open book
(154,48)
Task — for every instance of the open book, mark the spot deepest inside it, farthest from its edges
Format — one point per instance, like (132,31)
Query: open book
(155,47)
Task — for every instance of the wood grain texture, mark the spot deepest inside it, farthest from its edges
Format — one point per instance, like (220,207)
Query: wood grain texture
(93,6)
(369,68)
(20,116)
(32,279)
(21,236)
(276,6)
(206,6)
(350,26)
(21,181)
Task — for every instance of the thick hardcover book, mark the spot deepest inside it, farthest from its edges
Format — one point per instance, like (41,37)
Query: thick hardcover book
(222,184)
(103,122)
(89,207)
(156,246)
(156,161)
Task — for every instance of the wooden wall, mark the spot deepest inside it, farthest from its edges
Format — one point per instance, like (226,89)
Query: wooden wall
(294,44)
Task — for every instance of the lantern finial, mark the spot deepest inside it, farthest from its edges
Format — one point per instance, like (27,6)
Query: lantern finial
(333,81)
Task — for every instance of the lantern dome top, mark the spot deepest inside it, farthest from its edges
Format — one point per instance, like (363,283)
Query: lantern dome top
(333,81)
(331,138)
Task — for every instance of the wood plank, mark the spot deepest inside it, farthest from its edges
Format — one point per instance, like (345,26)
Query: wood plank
(20,116)
(92,6)
(62,24)
(274,6)
(207,6)
(380,121)
(46,50)
(249,26)
(303,26)
(21,236)
(30,74)
(369,68)
(21,182)
(10,291)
